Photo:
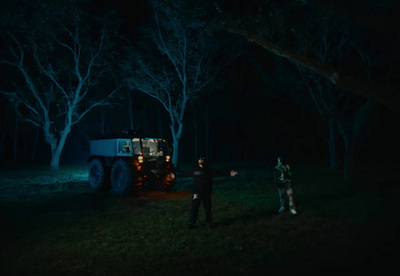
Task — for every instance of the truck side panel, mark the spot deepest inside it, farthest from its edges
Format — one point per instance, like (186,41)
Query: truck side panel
(106,147)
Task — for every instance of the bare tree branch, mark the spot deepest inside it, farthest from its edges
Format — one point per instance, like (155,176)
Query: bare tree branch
(58,80)
(384,94)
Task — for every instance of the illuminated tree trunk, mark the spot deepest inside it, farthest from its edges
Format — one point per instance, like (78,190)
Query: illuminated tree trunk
(176,135)
(55,158)
(175,152)
(56,146)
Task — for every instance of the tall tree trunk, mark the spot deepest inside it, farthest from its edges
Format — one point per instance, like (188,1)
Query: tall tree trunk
(3,134)
(130,110)
(15,140)
(196,146)
(55,159)
(25,143)
(207,135)
(210,148)
(346,132)
(348,167)
(102,120)
(160,122)
(332,145)
(177,135)
(57,148)
(34,143)
(175,152)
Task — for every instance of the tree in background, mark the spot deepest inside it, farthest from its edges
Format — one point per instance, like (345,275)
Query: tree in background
(334,43)
(337,70)
(177,69)
(57,55)
(273,25)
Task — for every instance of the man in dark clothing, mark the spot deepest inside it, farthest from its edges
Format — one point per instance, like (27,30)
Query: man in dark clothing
(202,188)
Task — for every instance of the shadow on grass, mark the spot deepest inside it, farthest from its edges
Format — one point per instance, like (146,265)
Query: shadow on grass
(245,218)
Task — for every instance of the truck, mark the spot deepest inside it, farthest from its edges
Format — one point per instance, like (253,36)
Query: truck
(127,161)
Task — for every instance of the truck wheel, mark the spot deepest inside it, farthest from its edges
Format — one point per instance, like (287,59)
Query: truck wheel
(121,177)
(98,176)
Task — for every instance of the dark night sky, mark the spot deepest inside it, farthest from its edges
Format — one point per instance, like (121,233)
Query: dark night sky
(246,97)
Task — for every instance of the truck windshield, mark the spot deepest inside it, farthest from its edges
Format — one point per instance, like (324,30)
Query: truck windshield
(136,146)
(154,147)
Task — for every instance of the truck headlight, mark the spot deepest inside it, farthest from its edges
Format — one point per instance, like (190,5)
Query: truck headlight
(140,158)
(167,158)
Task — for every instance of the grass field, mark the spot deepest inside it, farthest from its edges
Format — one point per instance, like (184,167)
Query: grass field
(52,224)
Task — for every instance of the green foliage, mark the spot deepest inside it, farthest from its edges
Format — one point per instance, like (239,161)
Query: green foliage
(102,234)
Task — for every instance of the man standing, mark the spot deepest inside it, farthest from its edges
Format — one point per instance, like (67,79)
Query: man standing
(283,181)
(202,188)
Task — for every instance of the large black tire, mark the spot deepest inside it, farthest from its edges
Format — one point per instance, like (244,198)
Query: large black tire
(121,177)
(98,176)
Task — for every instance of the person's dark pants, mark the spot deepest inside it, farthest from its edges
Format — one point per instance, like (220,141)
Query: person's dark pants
(288,189)
(196,202)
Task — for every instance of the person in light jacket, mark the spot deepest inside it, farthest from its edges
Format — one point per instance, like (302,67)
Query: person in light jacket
(283,181)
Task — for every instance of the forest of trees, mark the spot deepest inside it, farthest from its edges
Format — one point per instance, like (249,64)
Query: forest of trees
(209,76)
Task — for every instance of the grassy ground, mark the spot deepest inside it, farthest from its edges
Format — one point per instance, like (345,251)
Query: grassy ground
(69,230)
